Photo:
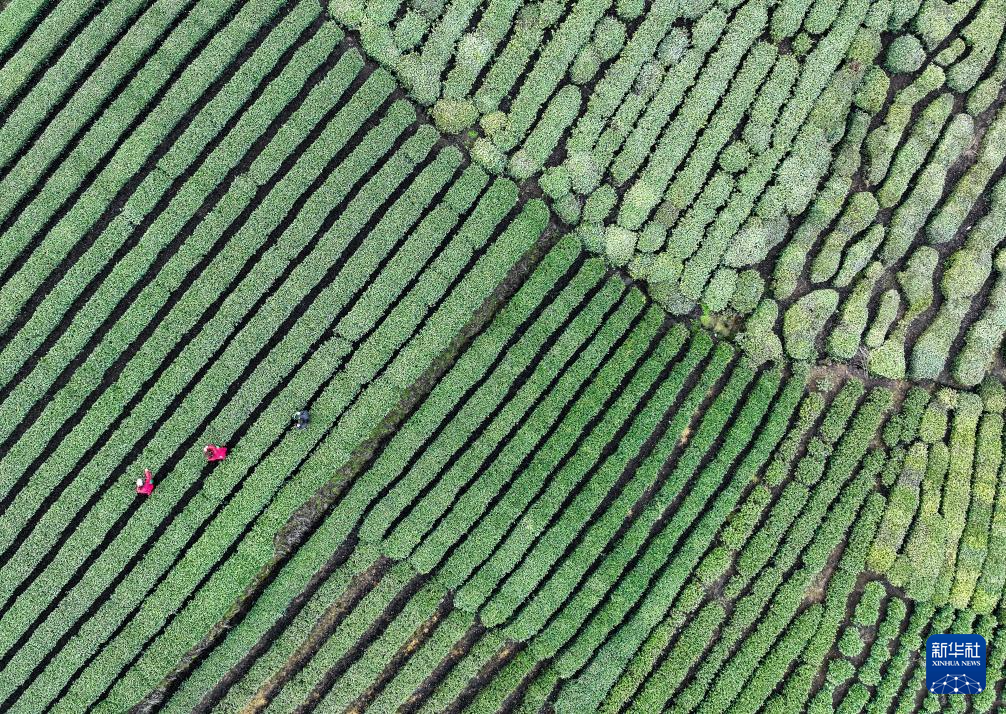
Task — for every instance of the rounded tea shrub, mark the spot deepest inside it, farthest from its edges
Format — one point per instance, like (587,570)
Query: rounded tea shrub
(904,55)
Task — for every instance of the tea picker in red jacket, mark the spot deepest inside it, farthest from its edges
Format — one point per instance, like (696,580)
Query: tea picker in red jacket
(145,485)
(214,452)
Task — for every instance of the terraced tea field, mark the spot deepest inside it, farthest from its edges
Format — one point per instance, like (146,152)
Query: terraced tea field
(652,351)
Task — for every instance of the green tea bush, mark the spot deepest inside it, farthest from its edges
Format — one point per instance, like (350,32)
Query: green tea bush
(983,33)
(850,644)
(868,609)
(840,670)
(887,313)
(787,18)
(585,66)
(735,157)
(840,411)
(903,427)
(652,238)
(825,208)
(993,395)
(747,292)
(619,244)
(759,339)
(609,38)
(934,21)
(872,92)
(629,9)
(720,289)
(904,55)
(883,140)
(805,320)
(965,273)
(865,46)
(916,280)
(859,255)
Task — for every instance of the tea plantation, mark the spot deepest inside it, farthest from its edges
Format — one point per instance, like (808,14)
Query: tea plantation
(652,352)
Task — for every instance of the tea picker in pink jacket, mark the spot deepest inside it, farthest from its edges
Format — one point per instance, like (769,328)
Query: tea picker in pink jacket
(214,452)
(145,485)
